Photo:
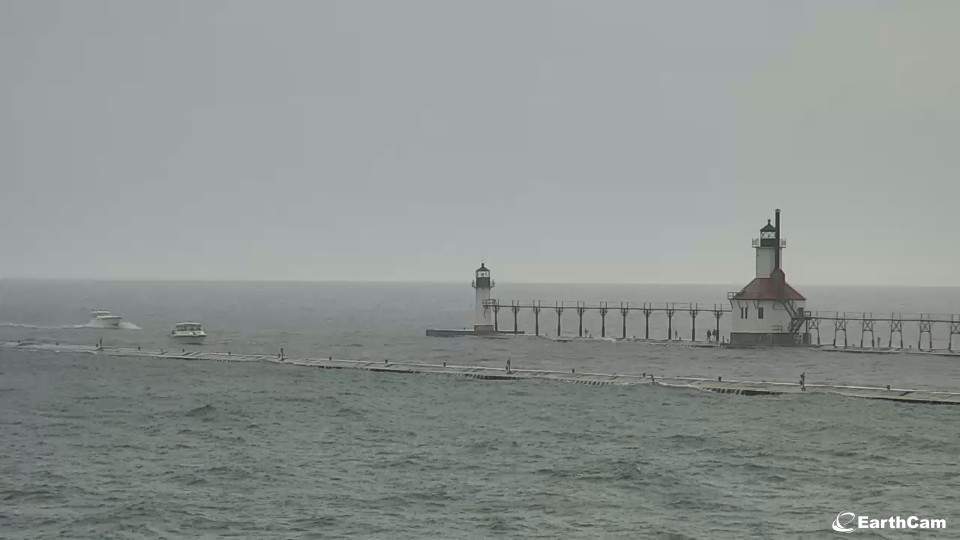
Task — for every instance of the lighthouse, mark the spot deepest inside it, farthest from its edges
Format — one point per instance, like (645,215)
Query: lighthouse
(483,310)
(768,311)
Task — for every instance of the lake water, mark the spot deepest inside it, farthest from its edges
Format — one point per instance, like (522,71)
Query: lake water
(97,446)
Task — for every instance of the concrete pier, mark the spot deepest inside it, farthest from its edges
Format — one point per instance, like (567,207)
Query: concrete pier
(460,332)
(740,388)
(450,332)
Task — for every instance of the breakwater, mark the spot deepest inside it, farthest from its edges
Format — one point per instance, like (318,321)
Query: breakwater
(515,373)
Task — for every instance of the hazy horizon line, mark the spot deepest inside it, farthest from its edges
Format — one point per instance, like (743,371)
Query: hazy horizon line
(445,282)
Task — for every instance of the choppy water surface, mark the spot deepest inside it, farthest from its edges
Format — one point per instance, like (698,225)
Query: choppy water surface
(98,446)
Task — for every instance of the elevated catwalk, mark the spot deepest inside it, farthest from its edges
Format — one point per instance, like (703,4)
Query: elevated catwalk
(743,388)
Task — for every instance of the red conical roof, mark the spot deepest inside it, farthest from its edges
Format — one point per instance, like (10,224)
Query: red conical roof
(774,287)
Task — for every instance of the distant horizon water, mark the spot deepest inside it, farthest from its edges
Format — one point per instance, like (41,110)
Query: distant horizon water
(467,280)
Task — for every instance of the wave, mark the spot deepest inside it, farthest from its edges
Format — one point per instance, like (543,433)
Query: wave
(27,495)
(203,410)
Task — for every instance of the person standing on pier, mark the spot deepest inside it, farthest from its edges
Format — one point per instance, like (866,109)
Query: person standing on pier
(803,381)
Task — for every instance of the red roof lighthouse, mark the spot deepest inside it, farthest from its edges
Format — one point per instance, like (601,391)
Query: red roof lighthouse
(768,311)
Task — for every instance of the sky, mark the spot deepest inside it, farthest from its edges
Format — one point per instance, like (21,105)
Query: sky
(601,141)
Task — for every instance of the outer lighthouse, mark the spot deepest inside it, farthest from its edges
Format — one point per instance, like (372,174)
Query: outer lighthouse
(483,312)
(768,311)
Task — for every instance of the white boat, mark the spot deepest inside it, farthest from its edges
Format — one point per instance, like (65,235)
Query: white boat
(104,318)
(188,332)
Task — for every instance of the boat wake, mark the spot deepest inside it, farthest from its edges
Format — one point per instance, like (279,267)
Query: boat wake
(42,327)
(93,323)
(123,325)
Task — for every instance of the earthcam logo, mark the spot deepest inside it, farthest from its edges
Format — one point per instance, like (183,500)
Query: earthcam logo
(842,522)
(847,522)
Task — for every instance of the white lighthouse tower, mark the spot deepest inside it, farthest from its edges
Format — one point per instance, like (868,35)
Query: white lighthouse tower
(768,311)
(483,310)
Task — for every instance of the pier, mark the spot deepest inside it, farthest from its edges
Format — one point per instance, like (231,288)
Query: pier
(771,312)
(880,327)
(820,328)
(602,309)
(516,373)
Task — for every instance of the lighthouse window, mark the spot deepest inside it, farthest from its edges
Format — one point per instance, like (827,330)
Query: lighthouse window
(759,312)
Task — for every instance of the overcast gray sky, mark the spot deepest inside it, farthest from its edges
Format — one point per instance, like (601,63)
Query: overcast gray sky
(581,141)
